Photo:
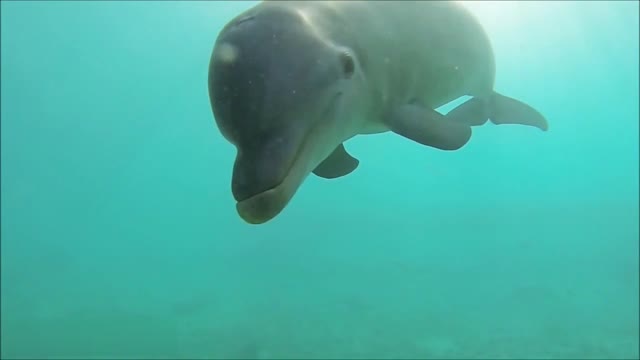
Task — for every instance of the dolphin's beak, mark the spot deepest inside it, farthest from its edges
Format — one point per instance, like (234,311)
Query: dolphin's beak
(282,166)
(267,175)
(262,207)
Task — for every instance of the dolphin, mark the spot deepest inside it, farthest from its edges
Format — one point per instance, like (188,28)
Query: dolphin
(290,81)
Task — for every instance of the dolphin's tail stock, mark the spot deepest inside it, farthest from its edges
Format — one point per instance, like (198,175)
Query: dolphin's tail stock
(499,109)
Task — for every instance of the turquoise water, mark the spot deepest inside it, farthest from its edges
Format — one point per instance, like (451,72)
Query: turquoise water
(120,237)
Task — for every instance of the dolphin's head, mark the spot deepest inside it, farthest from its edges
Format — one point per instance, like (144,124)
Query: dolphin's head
(276,89)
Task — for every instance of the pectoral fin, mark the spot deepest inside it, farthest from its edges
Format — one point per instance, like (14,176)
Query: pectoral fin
(499,109)
(338,164)
(428,127)
(473,112)
(505,110)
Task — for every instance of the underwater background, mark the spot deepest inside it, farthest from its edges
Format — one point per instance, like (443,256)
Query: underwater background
(120,237)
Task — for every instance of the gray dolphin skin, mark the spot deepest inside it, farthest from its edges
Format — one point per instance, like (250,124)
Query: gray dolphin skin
(291,81)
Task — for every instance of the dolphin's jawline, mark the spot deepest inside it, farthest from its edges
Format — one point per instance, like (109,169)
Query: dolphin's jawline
(288,180)
(272,201)
(278,189)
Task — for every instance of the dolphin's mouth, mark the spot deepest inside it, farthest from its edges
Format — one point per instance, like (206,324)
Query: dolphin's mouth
(264,206)
(267,204)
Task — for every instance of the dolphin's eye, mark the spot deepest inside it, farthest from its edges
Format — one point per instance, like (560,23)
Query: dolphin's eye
(348,65)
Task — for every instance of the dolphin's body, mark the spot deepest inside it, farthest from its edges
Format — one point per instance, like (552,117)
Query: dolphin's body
(291,81)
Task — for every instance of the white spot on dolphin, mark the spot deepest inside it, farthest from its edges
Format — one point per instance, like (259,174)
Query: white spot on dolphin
(227,53)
